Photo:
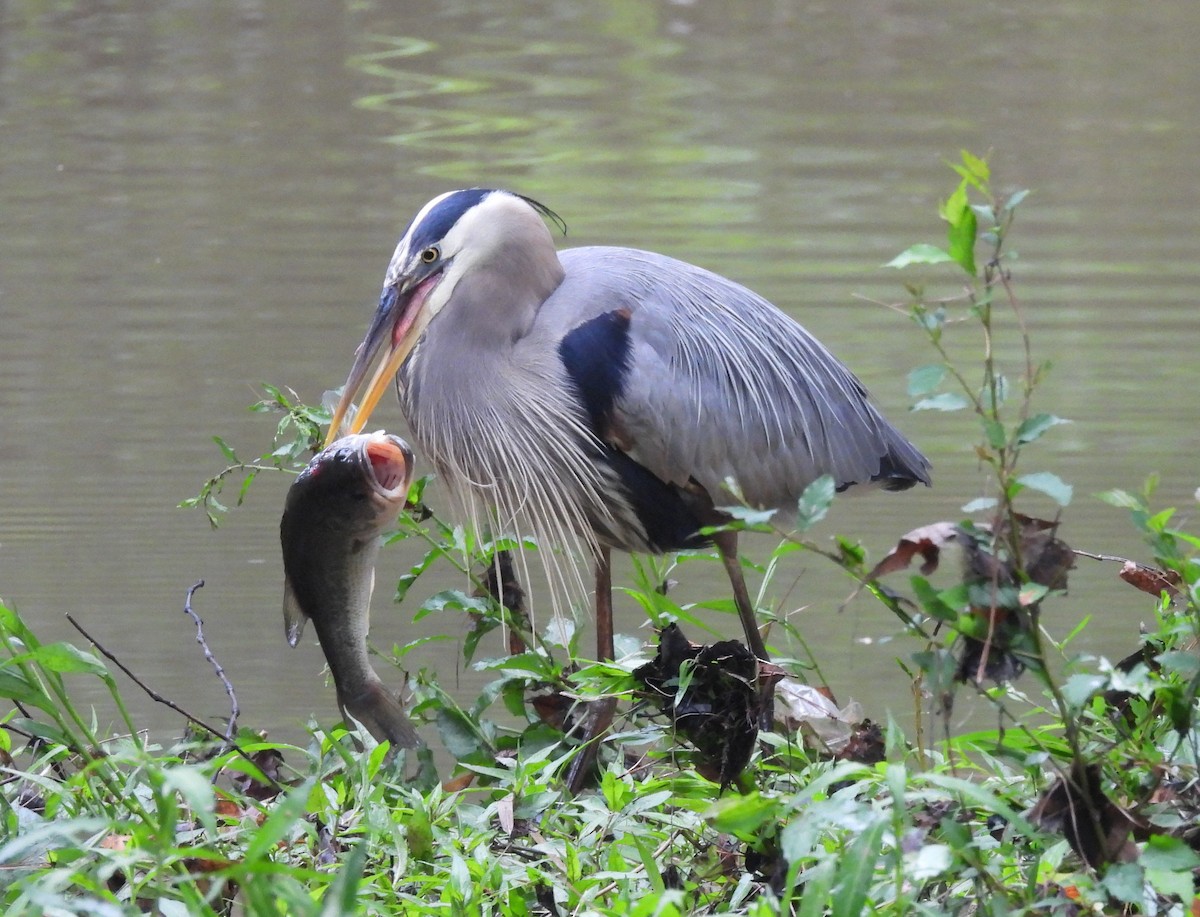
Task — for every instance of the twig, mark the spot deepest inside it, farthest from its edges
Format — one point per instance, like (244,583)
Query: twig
(158,698)
(231,729)
(1106,557)
(153,695)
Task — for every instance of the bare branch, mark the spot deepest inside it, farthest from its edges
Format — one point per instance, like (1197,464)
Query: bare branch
(231,729)
(158,698)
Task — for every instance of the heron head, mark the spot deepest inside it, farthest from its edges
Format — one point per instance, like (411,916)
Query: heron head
(452,239)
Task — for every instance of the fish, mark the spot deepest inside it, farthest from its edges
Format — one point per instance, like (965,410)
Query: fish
(334,517)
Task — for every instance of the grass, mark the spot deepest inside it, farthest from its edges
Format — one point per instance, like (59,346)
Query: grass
(1082,799)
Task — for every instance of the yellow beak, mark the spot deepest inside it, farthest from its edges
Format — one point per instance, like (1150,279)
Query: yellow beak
(398,324)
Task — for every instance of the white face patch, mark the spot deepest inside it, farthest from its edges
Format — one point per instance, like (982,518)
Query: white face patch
(469,228)
(399,264)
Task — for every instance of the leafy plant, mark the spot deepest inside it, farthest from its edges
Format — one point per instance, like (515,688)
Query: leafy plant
(1083,798)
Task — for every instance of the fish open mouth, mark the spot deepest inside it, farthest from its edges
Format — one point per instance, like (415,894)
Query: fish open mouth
(390,463)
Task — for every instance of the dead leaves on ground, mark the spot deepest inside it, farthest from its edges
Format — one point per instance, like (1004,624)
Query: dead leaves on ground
(711,695)
(812,713)
(1007,568)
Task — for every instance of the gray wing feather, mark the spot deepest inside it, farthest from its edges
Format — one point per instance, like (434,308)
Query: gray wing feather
(722,384)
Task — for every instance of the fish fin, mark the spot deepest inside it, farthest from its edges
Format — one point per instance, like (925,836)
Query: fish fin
(293,615)
(383,716)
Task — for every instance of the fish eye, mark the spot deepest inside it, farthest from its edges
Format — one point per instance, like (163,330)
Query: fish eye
(430,254)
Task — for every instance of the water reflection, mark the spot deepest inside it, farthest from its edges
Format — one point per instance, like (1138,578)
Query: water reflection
(199,198)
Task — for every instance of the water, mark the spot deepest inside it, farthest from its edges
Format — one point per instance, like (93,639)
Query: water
(197,199)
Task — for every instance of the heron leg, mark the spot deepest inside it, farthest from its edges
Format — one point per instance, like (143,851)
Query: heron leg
(601,715)
(726,543)
(605,649)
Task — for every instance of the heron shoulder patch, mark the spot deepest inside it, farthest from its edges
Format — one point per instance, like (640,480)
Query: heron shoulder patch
(596,356)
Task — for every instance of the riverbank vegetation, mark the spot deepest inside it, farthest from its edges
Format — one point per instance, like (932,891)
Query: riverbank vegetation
(1083,798)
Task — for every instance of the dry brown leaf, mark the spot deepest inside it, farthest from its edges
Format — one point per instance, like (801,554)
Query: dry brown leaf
(227,808)
(458,782)
(269,761)
(207,864)
(504,812)
(1150,579)
(926,541)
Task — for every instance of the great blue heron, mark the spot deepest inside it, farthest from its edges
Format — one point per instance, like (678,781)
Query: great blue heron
(603,398)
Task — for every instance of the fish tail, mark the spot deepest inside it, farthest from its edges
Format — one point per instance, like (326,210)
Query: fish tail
(383,716)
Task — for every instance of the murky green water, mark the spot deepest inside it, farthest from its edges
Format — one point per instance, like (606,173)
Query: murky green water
(198,198)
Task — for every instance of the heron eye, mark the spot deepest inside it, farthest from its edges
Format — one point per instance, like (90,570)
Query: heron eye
(430,254)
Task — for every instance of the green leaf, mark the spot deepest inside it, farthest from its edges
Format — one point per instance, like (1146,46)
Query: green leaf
(925,379)
(418,831)
(947,401)
(226,450)
(977,166)
(961,236)
(984,212)
(857,867)
(747,516)
(1167,882)
(973,170)
(1163,852)
(283,818)
(932,601)
(64,657)
(460,875)
(817,883)
(1121,499)
(979,504)
(1015,199)
(922,253)
(249,479)
(451,600)
(518,666)
(341,897)
(650,864)
(616,792)
(953,208)
(1033,427)
(196,790)
(1031,594)
(1050,484)
(814,503)
(744,815)
(1158,522)
(458,733)
(12,623)
(1080,686)
(1182,663)
(15,686)
(931,860)
(47,731)
(997,436)
(1125,882)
